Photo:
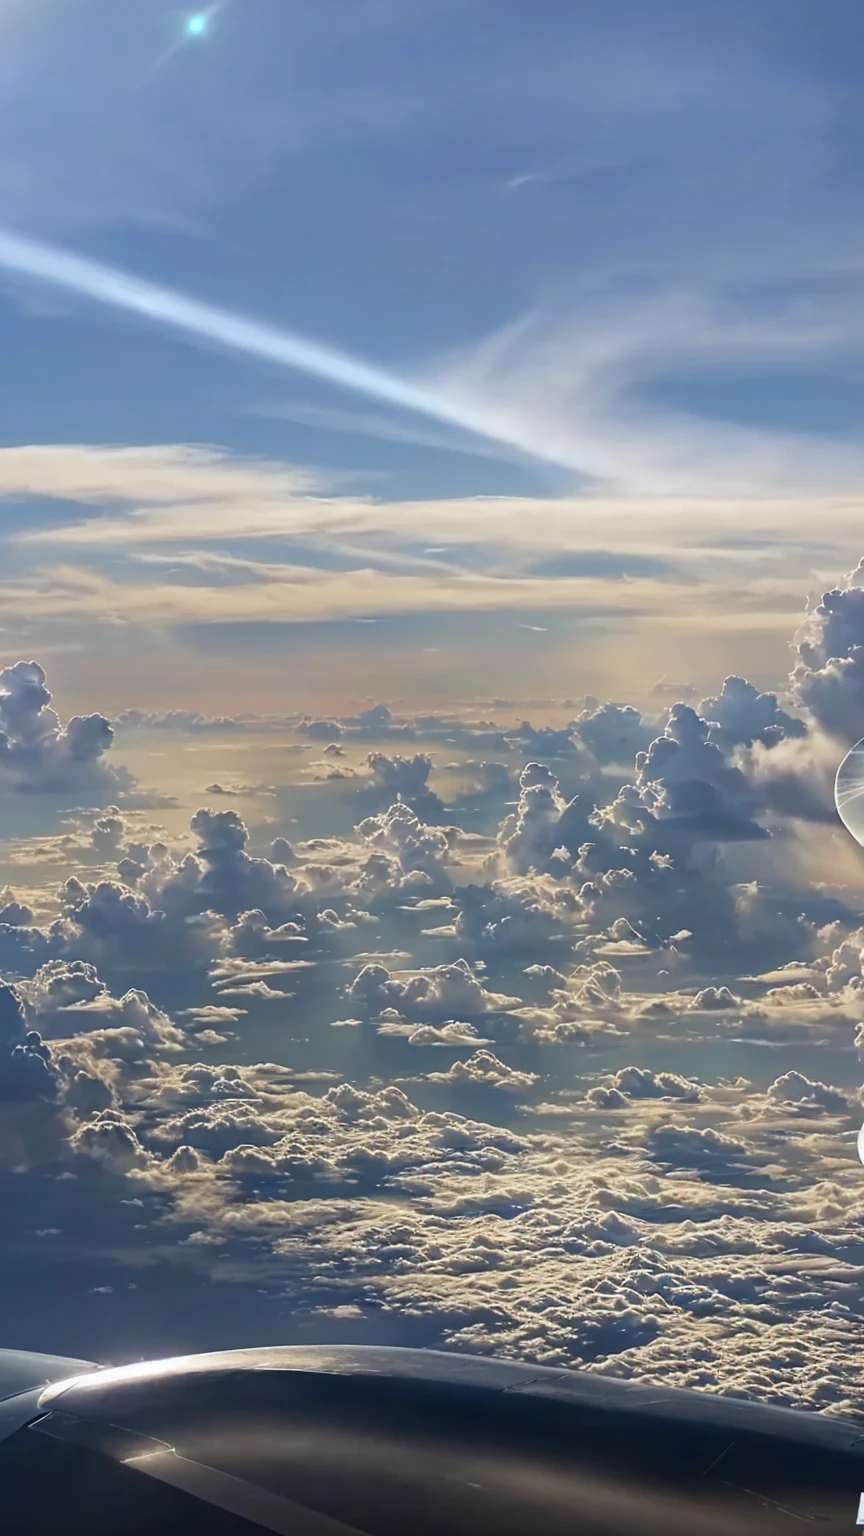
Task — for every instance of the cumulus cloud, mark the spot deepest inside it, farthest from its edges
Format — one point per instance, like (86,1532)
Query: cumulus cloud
(440,991)
(691,1280)
(39,753)
(715,998)
(613,733)
(793,1088)
(684,777)
(454,1035)
(184,721)
(411,854)
(67,997)
(699,1148)
(515,914)
(230,880)
(828,676)
(110,1142)
(740,715)
(404,777)
(642,1083)
(27,1068)
(545,830)
(484,1070)
(174,910)
(643,1220)
(108,833)
(110,923)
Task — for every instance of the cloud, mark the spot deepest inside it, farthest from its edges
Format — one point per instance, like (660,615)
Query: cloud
(566,393)
(298,594)
(141,490)
(39,754)
(483,1070)
(112,924)
(794,777)
(111,1143)
(687,1146)
(172,310)
(808,1096)
(828,677)
(177,497)
(108,833)
(686,780)
(715,998)
(578,387)
(188,895)
(642,1083)
(613,733)
(545,830)
(442,991)
(187,721)
(27,1068)
(515,915)
(740,716)
(420,853)
(405,778)
(67,997)
(655,1270)
(453,1035)
(694,1224)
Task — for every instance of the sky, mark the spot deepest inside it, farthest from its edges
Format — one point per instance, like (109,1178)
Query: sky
(431,623)
(370,281)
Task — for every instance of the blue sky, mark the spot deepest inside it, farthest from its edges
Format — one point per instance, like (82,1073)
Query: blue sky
(617,247)
(577,291)
(405,181)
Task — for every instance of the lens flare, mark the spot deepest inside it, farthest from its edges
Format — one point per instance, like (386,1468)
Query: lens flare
(196,26)
(849,792)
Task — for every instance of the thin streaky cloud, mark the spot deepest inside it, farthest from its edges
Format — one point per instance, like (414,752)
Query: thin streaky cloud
(561,394)
(362,424)
(240,333)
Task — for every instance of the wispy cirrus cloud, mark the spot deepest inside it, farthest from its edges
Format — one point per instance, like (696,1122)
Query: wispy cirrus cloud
(566,392)
(184,494)
(579,387)
(264,594)
(168,536)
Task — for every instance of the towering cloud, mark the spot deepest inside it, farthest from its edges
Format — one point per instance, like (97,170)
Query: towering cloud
(27,1069)
(740,715)
(38,753)
(828,678)
(582,977)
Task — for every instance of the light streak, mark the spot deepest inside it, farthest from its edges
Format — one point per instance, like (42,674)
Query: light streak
(182,313)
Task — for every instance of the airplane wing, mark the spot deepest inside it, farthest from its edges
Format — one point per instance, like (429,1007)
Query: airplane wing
(348,1441)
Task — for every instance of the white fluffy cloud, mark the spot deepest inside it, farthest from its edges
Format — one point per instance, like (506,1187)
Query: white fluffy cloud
(622,944)
(39,753)
(740,715)
(441,991)
(27,1068)
(613,733)
(828,677)
(67,998)
(485,1070)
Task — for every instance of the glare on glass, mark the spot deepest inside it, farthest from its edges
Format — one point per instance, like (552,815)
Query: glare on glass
(849,792)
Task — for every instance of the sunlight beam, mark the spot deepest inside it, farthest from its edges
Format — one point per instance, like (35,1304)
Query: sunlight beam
(255,338)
